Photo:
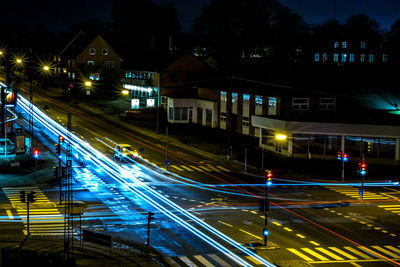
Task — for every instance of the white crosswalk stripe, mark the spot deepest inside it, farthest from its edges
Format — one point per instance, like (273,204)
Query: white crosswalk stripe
(208,260)
(319,254)
(44,217)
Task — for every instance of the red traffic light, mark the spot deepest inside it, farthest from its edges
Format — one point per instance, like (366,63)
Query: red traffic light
(363,165)
(60,139)
(36,153)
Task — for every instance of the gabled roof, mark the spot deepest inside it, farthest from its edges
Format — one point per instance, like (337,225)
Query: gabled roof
(188,62)
(79,43)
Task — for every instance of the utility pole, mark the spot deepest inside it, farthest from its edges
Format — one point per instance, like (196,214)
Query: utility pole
(68,198)
(245,159)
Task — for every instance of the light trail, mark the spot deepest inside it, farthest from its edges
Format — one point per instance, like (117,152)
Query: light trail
(152,197)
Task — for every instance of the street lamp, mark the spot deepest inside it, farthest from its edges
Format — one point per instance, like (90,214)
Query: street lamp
(281,137)
(46,68)
(88,84)
(125,92)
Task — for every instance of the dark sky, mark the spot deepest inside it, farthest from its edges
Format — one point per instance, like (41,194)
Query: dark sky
(60,14)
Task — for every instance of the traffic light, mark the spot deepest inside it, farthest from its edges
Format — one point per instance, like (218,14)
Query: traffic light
(36,153)
(55,171)
(345,158)
(22,196)
(60,139)
(57,148)
(362,168)
(150,216)
(265,232)
(268,176)
(339,155)
(31,197)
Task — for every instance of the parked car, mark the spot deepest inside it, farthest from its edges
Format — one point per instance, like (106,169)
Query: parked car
(123,151)
(3,144)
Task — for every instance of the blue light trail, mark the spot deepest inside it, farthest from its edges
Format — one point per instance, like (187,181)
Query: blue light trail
(152,197)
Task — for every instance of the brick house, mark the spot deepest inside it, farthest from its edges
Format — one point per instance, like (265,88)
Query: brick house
(86,58)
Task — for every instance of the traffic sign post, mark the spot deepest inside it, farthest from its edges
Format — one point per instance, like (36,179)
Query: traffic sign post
(150,217)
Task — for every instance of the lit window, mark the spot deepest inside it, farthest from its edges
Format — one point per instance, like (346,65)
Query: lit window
(316,57)
(104,52)
(259,101)
(384,58)
(223,116)
(272,105)
(362,45)
(90,63)
(362,57)
(351,57)
(344,57)
(371,58)
(245,121)
(234,97)
(327,103)
(344,44)
(336,57)
(223,96)
(300,103)
(92,51)
(336,45)
(324,57)
(246,99)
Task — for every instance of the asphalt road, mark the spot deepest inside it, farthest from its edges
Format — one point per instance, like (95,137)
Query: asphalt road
(307,224)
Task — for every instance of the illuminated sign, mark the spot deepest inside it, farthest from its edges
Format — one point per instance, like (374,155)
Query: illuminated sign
(150,103)
(10,99)
(134,103)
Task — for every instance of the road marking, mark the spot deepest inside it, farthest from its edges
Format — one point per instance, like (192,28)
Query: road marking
(227,224)
(389,195)
(314,243)
(330,254)
(197,169)
(276,223)
(187,261)
(10,216)
(393,248)
(222,168)
(343,253)
(203,260)
(251,234)
(171,262)
(176,168)
(387,252)
(205,168)
(301,236)
(301,255)
(218,259)
(186,168)
(315,254)
(355,264)
(288,229)
(212,168)
(358,253)
(253,260)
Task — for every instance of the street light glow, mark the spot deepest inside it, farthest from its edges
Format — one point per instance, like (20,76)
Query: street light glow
(88,83)
(46,68)
(125,92)
(280,136)
(19,60)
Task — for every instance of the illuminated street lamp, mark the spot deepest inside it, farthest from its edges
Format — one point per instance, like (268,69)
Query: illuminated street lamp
(281,137)
(125,92)
(88,84)
(46,68)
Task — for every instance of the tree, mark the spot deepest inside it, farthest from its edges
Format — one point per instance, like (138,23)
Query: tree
(233,26)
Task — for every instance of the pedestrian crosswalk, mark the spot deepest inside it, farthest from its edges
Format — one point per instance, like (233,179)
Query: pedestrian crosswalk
(392,208)
(318,254)
(354,192)
(199,168)
(44,217)
(208,260)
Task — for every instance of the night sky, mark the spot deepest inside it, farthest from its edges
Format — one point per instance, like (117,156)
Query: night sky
(59,15)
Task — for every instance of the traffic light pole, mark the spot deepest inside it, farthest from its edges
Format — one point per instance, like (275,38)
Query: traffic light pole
(266,212)
(342,170)
(27,214)
(149,218)
(59,174)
